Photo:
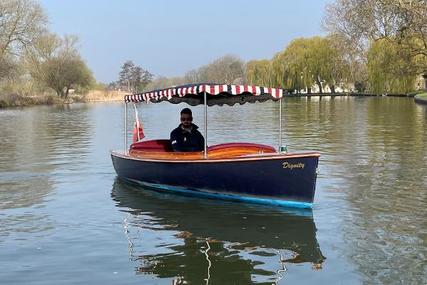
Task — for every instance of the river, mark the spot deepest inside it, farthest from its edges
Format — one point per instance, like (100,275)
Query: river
(65,218)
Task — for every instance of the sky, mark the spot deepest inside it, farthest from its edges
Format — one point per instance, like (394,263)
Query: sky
(169,38)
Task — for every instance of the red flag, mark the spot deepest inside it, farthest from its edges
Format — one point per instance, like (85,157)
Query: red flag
(137,132)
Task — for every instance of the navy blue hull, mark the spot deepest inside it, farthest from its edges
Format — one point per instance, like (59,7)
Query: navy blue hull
(278,179)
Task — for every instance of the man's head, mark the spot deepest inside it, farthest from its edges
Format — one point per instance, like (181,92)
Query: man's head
(186,117)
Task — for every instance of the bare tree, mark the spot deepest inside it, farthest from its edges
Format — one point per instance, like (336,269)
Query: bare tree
(56,63)
(8,67)
(403,22)
(45,47)
(225,69)
(21,22)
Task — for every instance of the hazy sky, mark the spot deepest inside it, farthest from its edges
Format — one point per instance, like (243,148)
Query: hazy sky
(170,38)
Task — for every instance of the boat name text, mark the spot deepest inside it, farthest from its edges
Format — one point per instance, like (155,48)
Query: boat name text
(293,165)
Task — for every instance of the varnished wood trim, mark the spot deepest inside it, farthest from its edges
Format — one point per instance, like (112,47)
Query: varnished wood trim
(211,160)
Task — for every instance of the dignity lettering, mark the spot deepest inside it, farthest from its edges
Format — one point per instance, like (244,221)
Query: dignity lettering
(291,166)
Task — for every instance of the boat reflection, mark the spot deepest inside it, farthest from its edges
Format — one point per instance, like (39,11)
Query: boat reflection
(207,241)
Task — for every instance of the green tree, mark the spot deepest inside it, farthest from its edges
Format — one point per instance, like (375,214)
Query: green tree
(390,69)
(331,61)
(55,62)
(296,58)
(259,72)
(64,73)
(312,60)
(279,71)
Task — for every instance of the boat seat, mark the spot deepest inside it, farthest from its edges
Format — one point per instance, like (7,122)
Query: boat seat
(162,149)
(162,145)
(260,147)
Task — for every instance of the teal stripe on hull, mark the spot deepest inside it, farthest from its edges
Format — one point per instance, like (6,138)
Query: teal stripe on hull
(229,197)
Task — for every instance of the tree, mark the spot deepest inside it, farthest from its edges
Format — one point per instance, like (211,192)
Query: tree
(305,61)
(226,69)
(402,22)
(192,76)
(390,69)
(279,71)
(352,62)
(165,82)
(63,73)
(296,60)
(56,63)
(308,61)
(21,21)
(134,77)
(45,47)
(259,72)
(330,61)
(8,67)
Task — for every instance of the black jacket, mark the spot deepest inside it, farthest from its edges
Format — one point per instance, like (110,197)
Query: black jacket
(182,140)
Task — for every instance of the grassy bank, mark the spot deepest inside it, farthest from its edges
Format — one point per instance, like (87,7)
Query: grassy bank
(103,96)
(421,98)
(17,100)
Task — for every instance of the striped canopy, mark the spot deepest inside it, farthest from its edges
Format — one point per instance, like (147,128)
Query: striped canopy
(216,94)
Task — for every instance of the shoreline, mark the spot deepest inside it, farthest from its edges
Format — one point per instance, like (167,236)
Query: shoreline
(93,96)
(350,94)
(421,99)
(100,96)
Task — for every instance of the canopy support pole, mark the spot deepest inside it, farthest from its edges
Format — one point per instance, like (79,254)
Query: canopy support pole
(280,124)
(205,154)
(125,129)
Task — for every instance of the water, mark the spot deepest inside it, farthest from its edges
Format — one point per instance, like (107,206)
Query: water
(66,219)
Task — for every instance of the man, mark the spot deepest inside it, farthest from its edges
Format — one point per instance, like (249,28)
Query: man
(186,137)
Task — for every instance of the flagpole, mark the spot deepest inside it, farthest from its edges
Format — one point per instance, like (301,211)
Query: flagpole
(137,122)
(206,126)
(280,124)
(125,129)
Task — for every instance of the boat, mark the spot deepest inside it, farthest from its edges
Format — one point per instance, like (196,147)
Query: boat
(237,171)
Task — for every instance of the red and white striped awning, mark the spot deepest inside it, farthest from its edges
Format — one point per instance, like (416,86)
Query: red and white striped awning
(217,94)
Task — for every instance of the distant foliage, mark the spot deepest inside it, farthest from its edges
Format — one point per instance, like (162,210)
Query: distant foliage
(304,62)
(225,70)
(134,78)
(165,82)
(33,60)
